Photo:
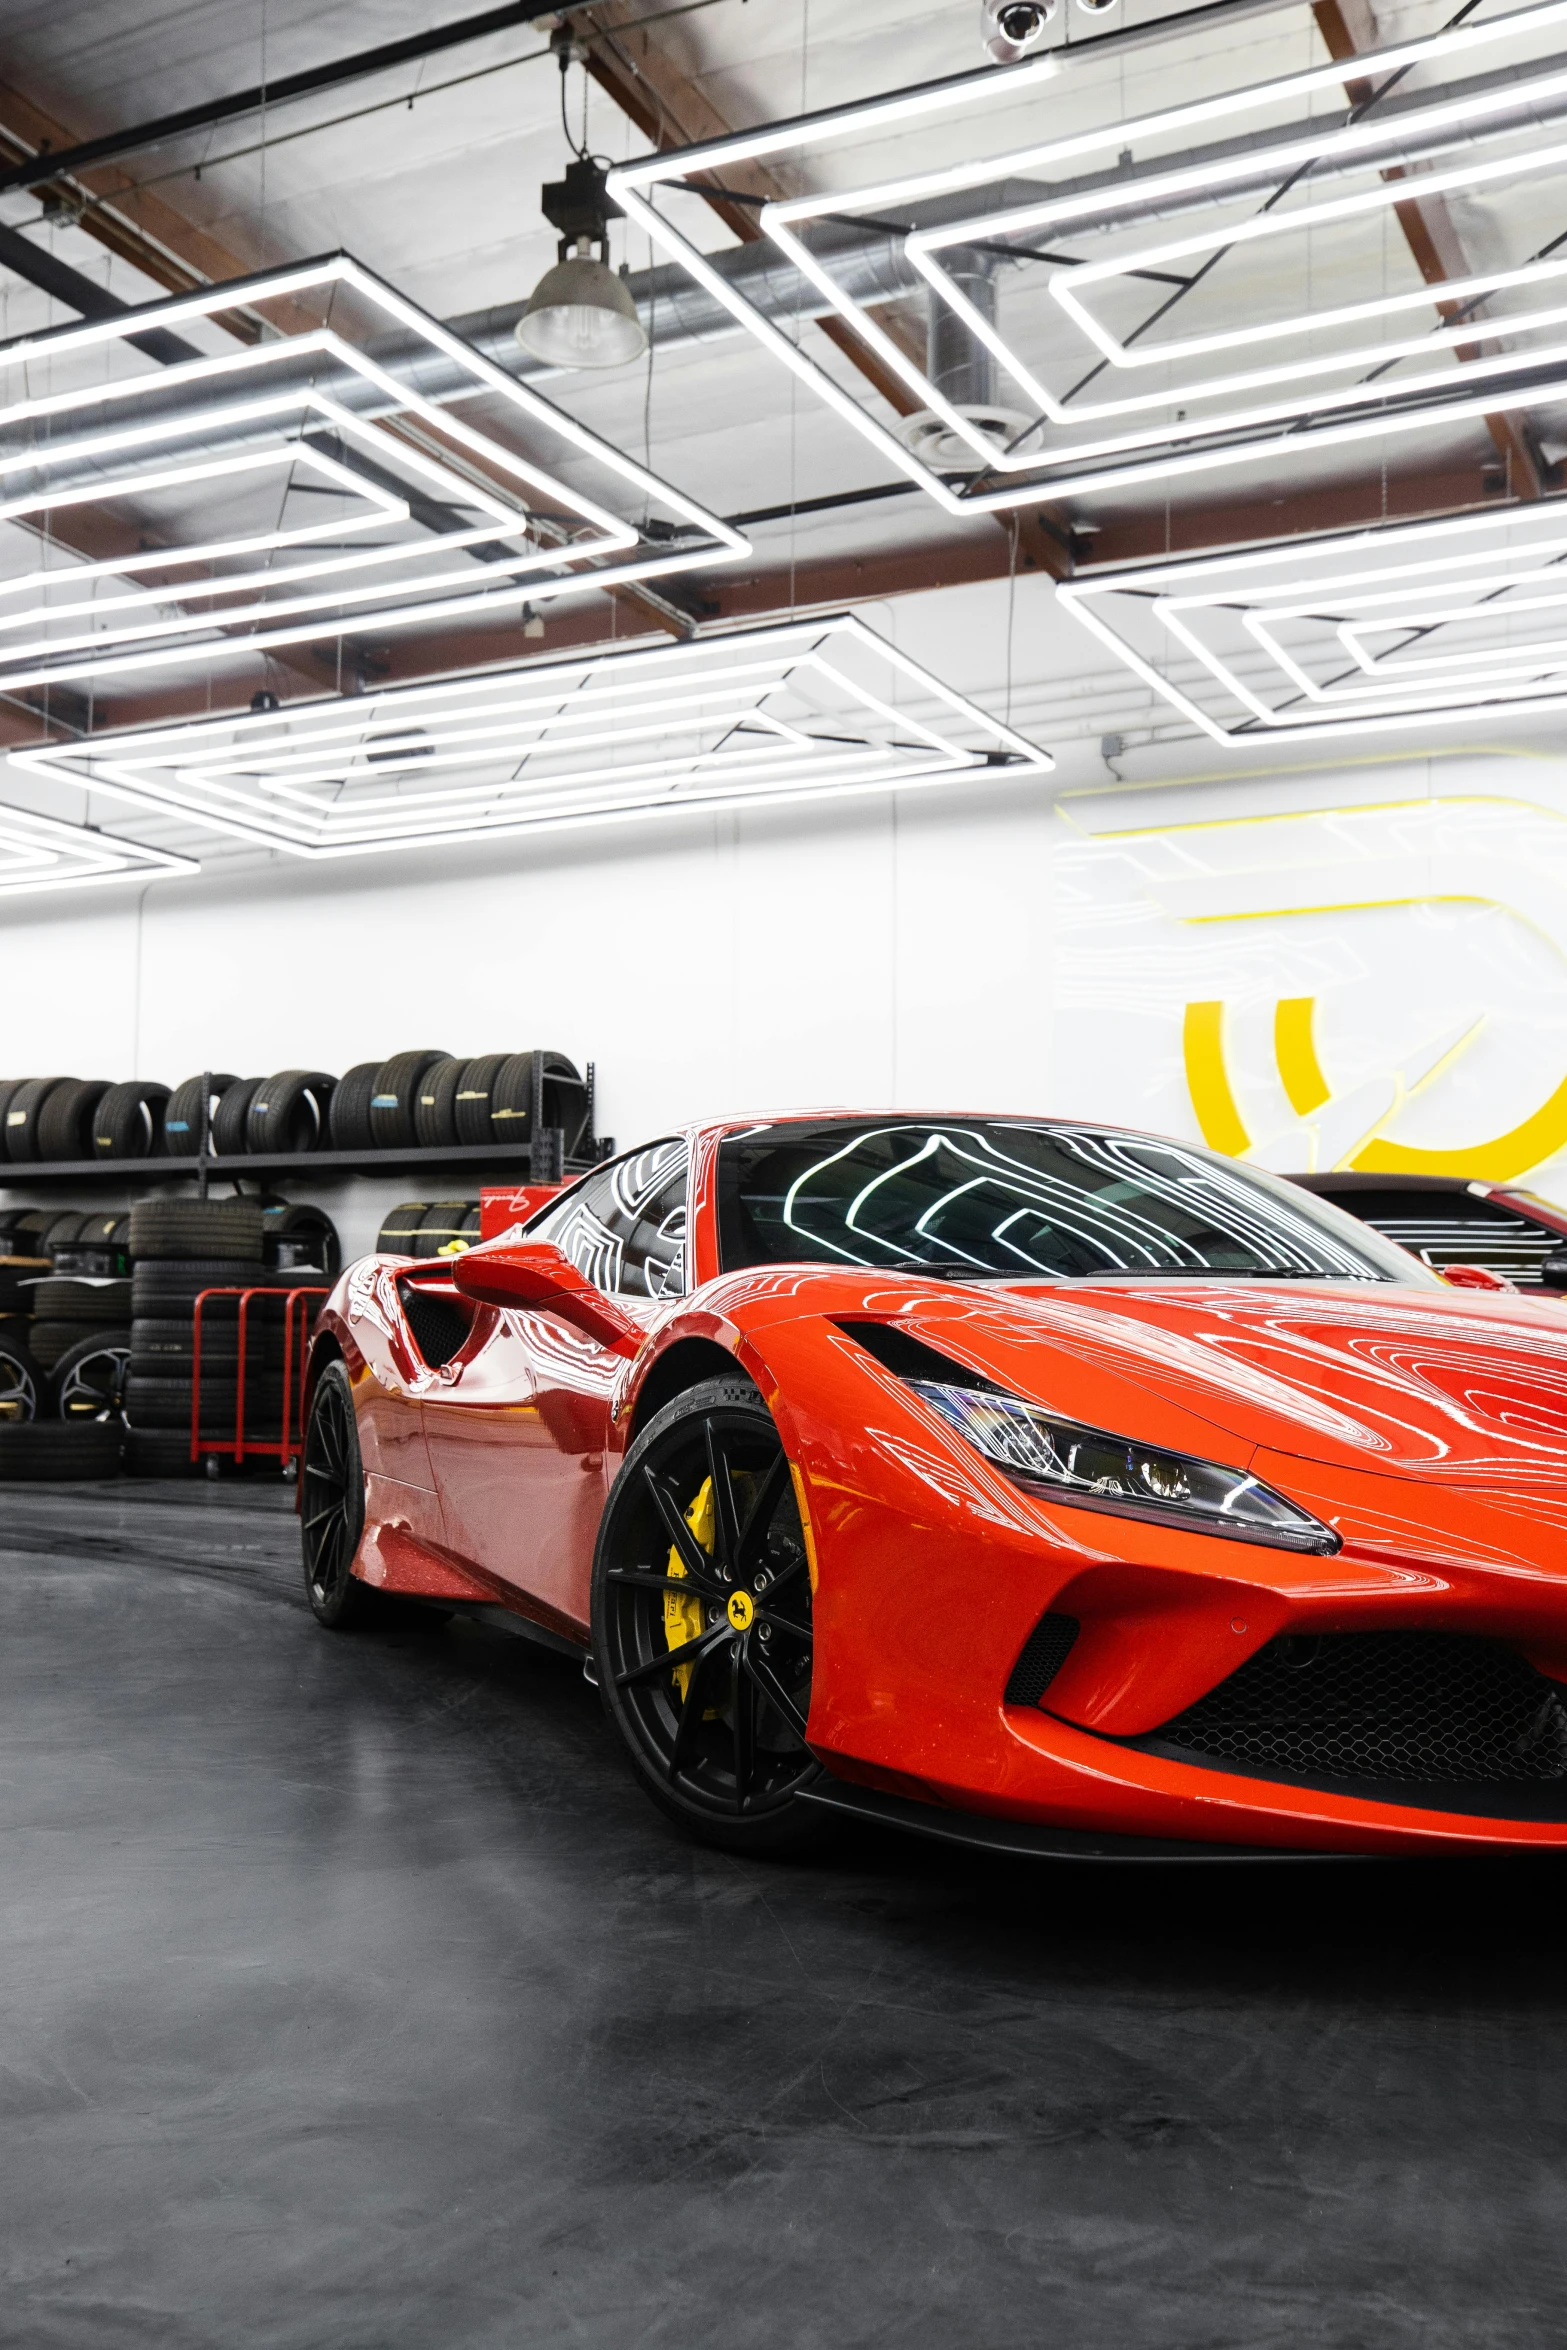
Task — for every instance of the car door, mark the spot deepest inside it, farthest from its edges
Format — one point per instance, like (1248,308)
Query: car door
(518,1432)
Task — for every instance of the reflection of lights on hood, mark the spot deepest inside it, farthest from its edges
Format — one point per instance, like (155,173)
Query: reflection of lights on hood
(1164,444)
(809,710)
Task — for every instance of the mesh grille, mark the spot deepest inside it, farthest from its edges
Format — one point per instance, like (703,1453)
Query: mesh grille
(439,1320)
(1406,1706)
(1043,1654)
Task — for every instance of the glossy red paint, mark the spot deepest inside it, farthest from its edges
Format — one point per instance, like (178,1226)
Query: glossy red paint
(1428,1429)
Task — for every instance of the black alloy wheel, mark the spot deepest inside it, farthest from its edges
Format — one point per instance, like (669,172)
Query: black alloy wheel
(702,1622)
(23,1386)
(89,1378)
(332,1505)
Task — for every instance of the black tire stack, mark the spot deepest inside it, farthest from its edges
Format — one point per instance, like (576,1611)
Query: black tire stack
(179,1249)
(426,1228)
(426,1099)
(24,1384)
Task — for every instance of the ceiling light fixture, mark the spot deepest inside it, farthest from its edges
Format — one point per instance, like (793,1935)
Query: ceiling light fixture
(1207,420)
(806,711)
(452,518)
(1427,624)
(580,314)
(40,852)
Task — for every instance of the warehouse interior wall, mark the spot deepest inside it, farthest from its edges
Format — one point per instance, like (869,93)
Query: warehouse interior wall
(1115,940)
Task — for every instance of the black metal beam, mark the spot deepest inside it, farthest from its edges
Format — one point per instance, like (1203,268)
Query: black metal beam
(83,294)
(140,136)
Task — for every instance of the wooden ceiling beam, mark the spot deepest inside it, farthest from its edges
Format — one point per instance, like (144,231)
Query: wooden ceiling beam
(672,110)
(1349,28)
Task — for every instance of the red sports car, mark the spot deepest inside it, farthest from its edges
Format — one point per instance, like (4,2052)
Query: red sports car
(1031,1482)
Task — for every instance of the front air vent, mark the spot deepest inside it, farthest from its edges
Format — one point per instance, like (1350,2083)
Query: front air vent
(907,1357)
(439,1319)
(1405,1708)
(1043,1654)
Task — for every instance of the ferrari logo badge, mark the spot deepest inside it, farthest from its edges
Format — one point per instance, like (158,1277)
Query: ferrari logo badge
(741,1610)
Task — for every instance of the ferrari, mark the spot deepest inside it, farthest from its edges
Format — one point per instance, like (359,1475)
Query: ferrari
(1029,1482)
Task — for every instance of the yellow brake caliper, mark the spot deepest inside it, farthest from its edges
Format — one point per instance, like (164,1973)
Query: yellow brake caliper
(683,1618)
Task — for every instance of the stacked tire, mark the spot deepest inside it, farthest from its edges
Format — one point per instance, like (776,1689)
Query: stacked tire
(431,1100)
(49,1120)
(426,1228)
(59,1332)
(24,1384)
(425,1099)
(179,1249)
(81,1337)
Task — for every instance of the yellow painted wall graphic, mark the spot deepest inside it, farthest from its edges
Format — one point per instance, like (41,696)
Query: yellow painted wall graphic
(1455,859)
(1499,1159)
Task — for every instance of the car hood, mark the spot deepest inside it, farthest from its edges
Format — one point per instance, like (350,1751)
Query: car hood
(1466,1389)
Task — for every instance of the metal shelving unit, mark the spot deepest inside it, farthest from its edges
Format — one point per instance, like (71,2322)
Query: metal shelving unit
(543,1160)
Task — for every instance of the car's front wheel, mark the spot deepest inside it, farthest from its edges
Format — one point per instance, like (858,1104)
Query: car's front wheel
(332,1505)
(702,1621)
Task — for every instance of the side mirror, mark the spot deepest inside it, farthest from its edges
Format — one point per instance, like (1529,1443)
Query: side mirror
(1553,1273)
(1475,1277)
(536,1274)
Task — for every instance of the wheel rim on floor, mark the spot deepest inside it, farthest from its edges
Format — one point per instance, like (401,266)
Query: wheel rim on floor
(707,1617)
(327,1498)
(93,1387)
(18,1391)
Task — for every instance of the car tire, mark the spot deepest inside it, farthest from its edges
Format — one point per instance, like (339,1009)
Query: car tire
(471,1102)
(154,1401)
(396,1097)
(443,1224)
(183,1122)
(332,1506)
(48,1450)
(435,1103)
(48,1341)
(158,1452)
(232,1116)
(399,1235)
(348,1118)
(24,1386)
(64,1128)
(290,1112)
(72,1297)
(170,1229)
(23,1112)
(301,1238)
(723,1751)
(128,1122)
(89,1378)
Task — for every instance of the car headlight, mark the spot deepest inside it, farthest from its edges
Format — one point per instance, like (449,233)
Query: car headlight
(1096,1471)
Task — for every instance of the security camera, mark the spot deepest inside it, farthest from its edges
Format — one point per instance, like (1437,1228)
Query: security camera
(1010,28)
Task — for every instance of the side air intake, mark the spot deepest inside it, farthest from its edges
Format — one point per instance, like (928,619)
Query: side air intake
(1400,1707)
(1044,1652)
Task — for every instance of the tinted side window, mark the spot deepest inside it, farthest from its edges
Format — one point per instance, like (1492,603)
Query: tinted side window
(1456,1228)
(625,1228)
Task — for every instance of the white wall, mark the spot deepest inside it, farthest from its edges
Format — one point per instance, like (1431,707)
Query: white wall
(1030,947)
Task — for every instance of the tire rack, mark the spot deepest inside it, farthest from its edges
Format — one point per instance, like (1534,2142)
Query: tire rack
(285,1446)
(544,1160)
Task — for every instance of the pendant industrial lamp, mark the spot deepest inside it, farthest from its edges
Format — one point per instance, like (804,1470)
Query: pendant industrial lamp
(580,313)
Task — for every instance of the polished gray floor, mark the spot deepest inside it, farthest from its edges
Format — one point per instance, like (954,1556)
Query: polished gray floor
(353,1997)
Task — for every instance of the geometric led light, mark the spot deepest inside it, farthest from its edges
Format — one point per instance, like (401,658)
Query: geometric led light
(1373,631)
(809,710)
(36,852)
(357,466)
(1329,337)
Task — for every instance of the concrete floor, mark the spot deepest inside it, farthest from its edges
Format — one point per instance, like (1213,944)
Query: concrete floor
(352,1996)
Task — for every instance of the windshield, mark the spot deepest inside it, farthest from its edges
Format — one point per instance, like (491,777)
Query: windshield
(982,1198)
